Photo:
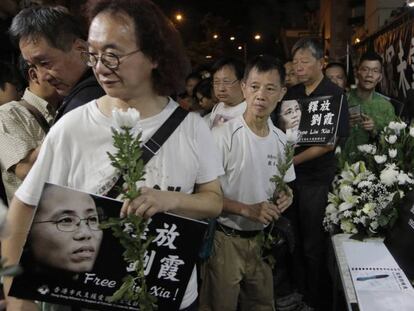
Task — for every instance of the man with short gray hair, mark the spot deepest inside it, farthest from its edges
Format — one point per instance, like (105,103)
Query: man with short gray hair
(315,168)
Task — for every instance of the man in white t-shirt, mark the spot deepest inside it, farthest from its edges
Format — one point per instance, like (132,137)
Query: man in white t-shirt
(250,147)
(74,152)
(227,76)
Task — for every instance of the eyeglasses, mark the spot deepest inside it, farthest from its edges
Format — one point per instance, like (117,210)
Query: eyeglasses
(224,83)
(109,60)
(71,223)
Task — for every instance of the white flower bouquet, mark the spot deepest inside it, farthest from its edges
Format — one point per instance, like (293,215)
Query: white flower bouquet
(366,194)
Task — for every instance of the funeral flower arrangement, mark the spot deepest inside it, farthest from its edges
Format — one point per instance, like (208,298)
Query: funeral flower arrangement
(366,194)
(127,160)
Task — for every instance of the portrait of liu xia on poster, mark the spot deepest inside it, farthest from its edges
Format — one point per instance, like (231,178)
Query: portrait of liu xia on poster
(68,259)
(315,118)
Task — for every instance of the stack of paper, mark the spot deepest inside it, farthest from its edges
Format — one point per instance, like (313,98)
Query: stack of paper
(379,283)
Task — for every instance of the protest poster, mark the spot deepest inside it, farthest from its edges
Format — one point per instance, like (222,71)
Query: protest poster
(69,260)
(316,118)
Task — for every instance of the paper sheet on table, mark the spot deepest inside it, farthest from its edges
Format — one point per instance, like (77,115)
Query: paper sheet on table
(379,283)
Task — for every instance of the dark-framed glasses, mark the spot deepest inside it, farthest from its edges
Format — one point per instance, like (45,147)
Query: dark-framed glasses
(71,223)
(109,60)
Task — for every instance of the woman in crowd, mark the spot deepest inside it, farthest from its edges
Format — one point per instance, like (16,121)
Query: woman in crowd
(203,93)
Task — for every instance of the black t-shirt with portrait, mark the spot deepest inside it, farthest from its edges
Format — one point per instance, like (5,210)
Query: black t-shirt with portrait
(320,170)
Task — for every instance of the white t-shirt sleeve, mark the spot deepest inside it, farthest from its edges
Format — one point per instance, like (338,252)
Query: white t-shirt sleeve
(221,144)
(210,166)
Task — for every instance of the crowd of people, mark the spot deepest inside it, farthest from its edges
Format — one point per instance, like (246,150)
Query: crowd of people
(221,157)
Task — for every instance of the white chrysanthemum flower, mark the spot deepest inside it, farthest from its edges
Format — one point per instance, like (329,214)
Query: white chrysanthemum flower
(389,176)
(380,158)
(331,209)
(391,139)
(292,136)
(348,227)
(403,178)
(392,153)
(368,207)
(367,148)
(127,118)
(412,131)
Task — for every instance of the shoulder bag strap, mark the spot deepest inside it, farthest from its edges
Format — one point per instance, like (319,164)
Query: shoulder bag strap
(152,146)
(37,115)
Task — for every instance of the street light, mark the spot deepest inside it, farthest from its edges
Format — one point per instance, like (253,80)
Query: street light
(240,47)
(232,38)
(215,36)
(257,37)
(179,17)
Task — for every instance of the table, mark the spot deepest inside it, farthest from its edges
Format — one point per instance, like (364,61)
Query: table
(341,269)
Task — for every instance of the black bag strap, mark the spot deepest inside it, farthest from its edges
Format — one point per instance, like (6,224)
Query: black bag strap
(152,146)
(37,115)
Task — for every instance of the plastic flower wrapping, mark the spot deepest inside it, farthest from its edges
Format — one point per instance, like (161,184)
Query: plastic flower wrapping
(366,194)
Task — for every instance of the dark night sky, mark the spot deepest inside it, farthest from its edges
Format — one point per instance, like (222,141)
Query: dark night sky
(241,18)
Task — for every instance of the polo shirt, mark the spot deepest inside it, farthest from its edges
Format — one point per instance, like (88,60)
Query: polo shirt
(19,134)
(320,170)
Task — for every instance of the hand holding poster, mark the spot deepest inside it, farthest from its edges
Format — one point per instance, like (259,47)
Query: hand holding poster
(69,260)
(315,118)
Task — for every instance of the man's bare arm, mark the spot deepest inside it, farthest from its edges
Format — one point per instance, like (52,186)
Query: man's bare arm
(22,168)
(18,224)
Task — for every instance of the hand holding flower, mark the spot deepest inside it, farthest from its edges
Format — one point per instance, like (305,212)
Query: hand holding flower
(150,202)
(263,212)
(284,200)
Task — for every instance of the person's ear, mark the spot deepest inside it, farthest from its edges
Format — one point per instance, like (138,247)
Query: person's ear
(282,93)
(32,73)
(243,88)
(154,64)
(79,45)
(321,63)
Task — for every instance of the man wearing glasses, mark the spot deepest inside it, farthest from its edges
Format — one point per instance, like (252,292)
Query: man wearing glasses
(66,222)
(369,112)
(51,40)
(227,76)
